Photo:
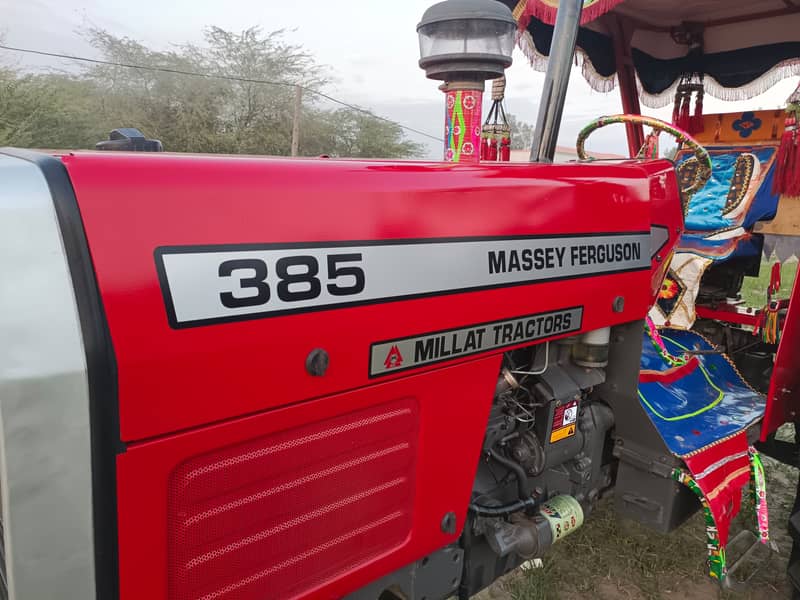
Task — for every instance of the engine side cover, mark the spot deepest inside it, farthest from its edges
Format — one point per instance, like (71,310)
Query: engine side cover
(284,328)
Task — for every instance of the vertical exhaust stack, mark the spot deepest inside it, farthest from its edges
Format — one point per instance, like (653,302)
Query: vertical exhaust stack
(556,80)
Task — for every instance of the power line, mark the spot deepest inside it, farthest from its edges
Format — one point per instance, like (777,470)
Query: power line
(98,61)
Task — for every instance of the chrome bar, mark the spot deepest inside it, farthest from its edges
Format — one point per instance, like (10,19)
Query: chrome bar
(556,80)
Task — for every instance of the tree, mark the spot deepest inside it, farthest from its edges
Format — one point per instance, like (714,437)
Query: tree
(521,133)
(201,114)
(239,112)
(351,133)
(47,111)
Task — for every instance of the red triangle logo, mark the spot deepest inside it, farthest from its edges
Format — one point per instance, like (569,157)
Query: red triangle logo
(394,359)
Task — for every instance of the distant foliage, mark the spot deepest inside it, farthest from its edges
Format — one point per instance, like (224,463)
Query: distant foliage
(521,133)
(192,114)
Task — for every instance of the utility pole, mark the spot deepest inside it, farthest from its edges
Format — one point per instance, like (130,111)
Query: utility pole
(298,104)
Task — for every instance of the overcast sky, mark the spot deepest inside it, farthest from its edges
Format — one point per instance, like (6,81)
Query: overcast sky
(370,47)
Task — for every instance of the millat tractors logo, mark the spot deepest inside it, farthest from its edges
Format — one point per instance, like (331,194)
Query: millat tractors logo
(393,359)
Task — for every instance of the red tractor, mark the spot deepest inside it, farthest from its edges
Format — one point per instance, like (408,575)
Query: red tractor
(243,378)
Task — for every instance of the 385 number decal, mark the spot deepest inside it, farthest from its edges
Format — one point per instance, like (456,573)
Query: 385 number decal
(221,283)
(298,279)
(257,282)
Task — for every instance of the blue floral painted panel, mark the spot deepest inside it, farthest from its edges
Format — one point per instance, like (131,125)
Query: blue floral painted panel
(707,205)
(747,124)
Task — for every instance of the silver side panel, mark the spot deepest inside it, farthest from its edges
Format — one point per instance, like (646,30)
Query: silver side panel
(45,463)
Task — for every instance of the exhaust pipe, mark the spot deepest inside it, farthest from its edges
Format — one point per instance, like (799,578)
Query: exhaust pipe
(556,80)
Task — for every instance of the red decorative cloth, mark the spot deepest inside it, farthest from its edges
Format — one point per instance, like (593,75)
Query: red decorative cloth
(721,471)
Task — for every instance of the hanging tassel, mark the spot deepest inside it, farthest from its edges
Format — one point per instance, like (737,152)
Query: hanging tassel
(787,163)
(690,83)
(791,181)
(767,324)
(505,148)
(495,131)
(492,153)
(793,186)
(774,279)
(683,118)
(676,108)
(769,329)
(786,179)
(696,125)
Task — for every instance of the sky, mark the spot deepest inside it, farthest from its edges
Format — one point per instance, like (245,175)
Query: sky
(369,46)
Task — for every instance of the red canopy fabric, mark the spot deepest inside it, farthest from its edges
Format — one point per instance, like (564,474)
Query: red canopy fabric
(545,10)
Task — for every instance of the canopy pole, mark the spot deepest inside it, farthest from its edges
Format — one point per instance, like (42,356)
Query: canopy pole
(556,80)
(626,75)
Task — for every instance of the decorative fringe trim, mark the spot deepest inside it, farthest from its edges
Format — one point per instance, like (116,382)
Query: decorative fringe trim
(517,13)
(546,11)
(525,43)
(758,495)
(599,83)
(655,338)
(780,72)
(658,100)
(717,558)
(539,63)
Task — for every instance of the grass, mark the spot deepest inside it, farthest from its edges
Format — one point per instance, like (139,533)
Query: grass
(754,289)
(610,557)
(609,554)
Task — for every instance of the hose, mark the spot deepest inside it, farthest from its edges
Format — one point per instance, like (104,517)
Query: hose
(519,472)
(481,510)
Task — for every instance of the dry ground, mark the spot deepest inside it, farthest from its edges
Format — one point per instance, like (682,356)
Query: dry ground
(610,558)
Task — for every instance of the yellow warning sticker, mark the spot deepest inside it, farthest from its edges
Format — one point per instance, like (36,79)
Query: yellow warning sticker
(563,432)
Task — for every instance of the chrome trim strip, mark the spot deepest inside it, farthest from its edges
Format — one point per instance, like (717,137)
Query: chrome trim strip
(45,447)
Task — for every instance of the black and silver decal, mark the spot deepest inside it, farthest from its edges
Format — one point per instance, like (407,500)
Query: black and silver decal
(392,356)
(207,284)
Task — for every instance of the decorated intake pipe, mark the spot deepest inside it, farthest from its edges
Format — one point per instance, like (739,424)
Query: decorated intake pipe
(463,121)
